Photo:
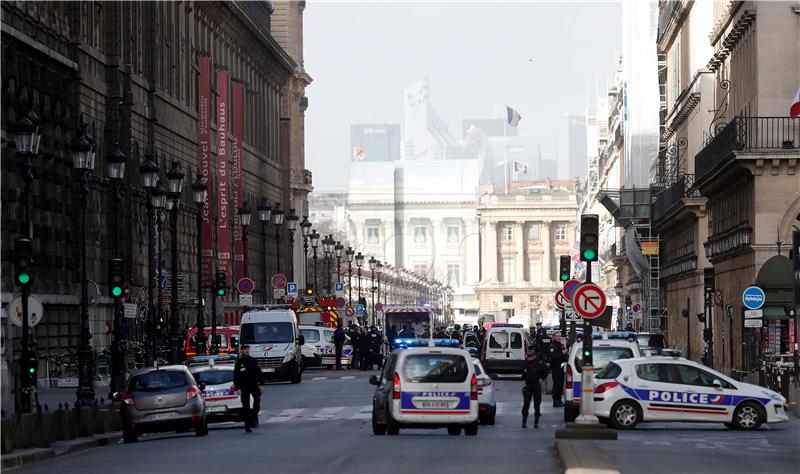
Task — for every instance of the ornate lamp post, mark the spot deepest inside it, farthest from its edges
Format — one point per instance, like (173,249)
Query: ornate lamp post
(149,172)
(314,245)
(305,229)
(291,226)
(277,219)
(264,216)
(373,264)
(337,251)
(84,149)
(159,201)
(175,181)
(350,257)
(115,166)
(245,214)
(359,264)
(327,247)
(200,194)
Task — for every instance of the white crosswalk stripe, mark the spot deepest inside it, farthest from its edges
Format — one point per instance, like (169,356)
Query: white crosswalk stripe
(285,415)
(327,413)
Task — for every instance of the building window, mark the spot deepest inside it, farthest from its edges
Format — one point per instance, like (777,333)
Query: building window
(420,234)
(421,269)
(454,275)
(508,270)
(533,232)
(373,234)
(561,232)
(731,208)
(508,298)
(535,269)
(508,232)
(453,233)
(535,299)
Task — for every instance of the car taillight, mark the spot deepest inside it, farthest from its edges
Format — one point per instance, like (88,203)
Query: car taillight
(484,382)
(568,378)
(127,398)
(396,388)
(604,387)
(473,388)
(192,392)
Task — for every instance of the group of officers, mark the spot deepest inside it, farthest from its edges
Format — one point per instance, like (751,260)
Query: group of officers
(547,357)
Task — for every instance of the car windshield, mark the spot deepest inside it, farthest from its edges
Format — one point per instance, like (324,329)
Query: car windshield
(214,377)
(311,335)
(158,380)
(603,355)
(261,333)
(435,368)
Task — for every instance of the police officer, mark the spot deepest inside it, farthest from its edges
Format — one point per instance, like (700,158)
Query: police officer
(246,375)
(440,334)
(338,341)
(534,374)
(557,356)
(541,343)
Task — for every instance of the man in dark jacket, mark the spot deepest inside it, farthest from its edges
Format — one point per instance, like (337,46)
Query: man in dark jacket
(534,374)
(355,358)
(558,355)
(391,335)
(440,334)
(246,376)
(365,349)
(339,338)
(376,341)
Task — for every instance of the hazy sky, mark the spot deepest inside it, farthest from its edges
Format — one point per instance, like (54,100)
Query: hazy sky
(362,55)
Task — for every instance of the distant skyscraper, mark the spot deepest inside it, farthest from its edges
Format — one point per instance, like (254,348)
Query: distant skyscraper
(375,142)
(425,135)
(491,127)
(576,133)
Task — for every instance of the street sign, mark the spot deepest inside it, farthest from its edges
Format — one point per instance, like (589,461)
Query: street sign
(340,302)
(560,299)
(753,323)
(571,315)
(753,297)
(278,280)
(349,311)
(378,306)
(589,300)
(718,297)
(339,290)
(245,300)
(162,279)
(245,286)
(569,288)
(360,309)
(291,289)
(636,308)
(183,288)
(649,248)
(753,313)
(130,310)
(278,293)
(35,311)
(142,312)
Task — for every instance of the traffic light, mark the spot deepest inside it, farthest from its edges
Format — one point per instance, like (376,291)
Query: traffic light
(116,277)
(708,280)
(628,307)
(310,290)
(28,368)
(220,283)
(23,262)
(589,237)
(564,268)
(587,351)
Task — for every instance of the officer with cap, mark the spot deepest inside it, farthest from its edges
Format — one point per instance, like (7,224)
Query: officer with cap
(535,371)
(557,355)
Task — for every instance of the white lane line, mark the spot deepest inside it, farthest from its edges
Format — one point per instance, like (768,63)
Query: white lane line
(500,407)
(285,415)
(326,413)
(348,377)
(320,378)
(365,413)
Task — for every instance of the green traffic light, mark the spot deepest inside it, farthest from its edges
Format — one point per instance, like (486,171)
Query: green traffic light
(116,291)
(24,278)
(589,254)
(31,370)
(564,277)
(221,292)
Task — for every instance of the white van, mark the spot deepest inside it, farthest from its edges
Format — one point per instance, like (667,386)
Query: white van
(321,338)
(275,341)
(504,348)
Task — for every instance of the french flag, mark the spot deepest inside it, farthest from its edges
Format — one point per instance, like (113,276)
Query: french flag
(794,110)
(512,116)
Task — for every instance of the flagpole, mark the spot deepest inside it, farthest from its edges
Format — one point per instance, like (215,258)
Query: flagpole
(505,152)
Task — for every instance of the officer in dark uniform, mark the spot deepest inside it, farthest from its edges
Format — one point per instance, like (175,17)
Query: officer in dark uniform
(557,356)
(535,372)
(541,344)
(339,338)
(246,375)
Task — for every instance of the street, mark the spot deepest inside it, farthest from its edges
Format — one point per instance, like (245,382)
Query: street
(323,425)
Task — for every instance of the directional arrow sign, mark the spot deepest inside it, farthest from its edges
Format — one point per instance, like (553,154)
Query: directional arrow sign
(561,299)
(589,301)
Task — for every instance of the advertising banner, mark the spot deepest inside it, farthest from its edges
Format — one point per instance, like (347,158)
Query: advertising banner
(237,122)
(223,183)
(204,162)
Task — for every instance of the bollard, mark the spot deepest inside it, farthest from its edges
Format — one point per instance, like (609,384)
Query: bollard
(86,425)
(60,424)
(44,435)
(23,430)
(7,441)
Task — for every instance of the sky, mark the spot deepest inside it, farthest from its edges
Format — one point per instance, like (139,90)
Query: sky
(362,56)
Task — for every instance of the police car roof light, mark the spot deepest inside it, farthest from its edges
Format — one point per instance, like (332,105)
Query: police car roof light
(406,343)
(506,325)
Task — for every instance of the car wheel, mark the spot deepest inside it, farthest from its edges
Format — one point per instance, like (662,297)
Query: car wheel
(471,430)
(377,428)
(571,412)
(454,430)
(625,415)
(748,416)
(202,428)
(392,426)
(129,436)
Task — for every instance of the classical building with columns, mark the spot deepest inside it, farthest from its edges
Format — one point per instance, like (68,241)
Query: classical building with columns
(522,234)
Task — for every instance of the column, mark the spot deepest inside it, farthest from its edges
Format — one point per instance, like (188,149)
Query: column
(490,252)
(519,242)
(544,234)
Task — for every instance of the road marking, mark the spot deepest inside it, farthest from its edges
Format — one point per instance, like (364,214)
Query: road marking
(285,415)
(349,377)
(320,378)
(326,413)
(364,413)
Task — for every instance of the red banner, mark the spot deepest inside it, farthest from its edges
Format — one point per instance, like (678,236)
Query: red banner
(237,121)
(204,162)
(223,191)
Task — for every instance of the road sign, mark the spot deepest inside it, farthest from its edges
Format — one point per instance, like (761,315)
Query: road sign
(130,310)
(349,311)
(589,300)
(718,297)
(183,288)
(278,293)
(142,312)
(753,323)
(753,297)
(340,302)
(278,280)
(339,290)
(35,311)
(378,306)
(245,286)
(245,300)
(570,314)
(291,289)
(569,288)
(753,313)
(560,299)
(636,308)
(649,248)
(360,309)
(162,279)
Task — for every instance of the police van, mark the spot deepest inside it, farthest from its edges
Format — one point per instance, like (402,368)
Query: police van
(505,348)
(324,349)
(630,391)
(426,384)
(606,347)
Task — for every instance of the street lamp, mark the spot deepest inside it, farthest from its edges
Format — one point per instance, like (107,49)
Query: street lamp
(200,193)
(148,170)
(350,257)
(373,264)
(83,150)
(314,237)
(337,250)
(291,225)
(175,179)
(305,229)
(115,166)
(277,219)
(328,245)
(264,216)
(159,202)
(245,214)
(27,134)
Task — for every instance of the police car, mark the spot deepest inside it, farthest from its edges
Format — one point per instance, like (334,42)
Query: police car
(222,398)
(630,391)
(426,384)
(487,402)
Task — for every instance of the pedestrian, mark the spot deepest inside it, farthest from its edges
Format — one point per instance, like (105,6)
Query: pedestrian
(558,355)
(534,374)
(355,337)
(392,335)
(246,376)
(440,334)
(338,341)
(407,332)
(365,348)
(376,342)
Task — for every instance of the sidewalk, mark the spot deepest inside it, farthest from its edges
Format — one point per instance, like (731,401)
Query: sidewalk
(19,457)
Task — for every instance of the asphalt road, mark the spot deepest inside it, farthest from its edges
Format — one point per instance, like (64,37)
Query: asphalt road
(323,425)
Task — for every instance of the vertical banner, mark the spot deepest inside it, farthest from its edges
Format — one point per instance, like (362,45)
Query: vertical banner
(223,186)
(237,122)
(204,163)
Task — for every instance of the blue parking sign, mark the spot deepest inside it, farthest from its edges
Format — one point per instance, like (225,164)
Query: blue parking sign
(291,289)
(359,310)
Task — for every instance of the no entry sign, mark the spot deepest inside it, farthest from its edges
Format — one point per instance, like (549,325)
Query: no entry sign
(561,300)
(589,301)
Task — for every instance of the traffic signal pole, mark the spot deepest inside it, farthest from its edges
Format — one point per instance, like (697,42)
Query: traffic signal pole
(27,380)
(586,416)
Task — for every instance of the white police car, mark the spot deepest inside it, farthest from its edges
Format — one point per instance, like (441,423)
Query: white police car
(629,391)
(222,398)
(426,386)
(487,402)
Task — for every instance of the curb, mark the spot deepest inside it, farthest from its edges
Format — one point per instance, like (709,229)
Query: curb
(584,457)
(20,457)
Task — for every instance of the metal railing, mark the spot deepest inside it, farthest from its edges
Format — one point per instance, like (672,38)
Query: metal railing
(682,188)
(746,134)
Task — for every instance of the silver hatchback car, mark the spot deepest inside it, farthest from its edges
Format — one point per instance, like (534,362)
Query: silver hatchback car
(160,399)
